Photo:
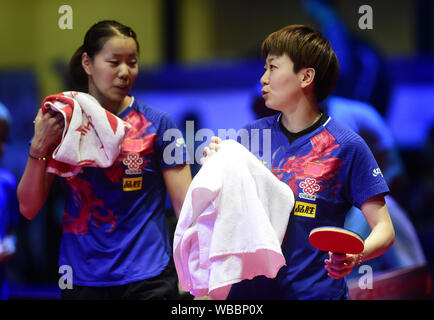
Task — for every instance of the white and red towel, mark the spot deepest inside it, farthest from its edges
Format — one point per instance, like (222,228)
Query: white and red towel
(92,135)
(232,223)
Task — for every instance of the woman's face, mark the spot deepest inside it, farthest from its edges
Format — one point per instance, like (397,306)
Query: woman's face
(113,70)
(280,85)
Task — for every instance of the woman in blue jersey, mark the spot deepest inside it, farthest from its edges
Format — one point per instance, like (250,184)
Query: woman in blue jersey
(115,240)
(328,167)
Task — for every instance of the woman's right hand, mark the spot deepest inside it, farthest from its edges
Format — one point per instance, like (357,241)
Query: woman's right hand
(35,183)
(48,131)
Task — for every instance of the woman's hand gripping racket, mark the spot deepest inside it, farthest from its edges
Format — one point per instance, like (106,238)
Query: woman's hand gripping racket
(345,248)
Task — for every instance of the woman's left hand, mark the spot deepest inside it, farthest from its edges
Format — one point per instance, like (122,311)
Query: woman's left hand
(213,147)
(340,265)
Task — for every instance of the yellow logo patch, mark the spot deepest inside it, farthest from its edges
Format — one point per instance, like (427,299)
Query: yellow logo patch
(132,184)
(305,209)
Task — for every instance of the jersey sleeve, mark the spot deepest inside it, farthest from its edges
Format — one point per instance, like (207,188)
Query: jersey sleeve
(364,178)
(171,146)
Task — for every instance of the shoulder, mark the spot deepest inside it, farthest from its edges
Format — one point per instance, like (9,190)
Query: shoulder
(149,111)
(157,117)
(344,136)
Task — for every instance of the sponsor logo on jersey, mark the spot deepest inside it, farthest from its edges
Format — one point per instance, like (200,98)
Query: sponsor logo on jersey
(376,172)
(132,184)
(133,161)
(310,188)
(305,209)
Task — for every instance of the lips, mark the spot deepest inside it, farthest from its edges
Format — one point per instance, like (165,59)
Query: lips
(122,87)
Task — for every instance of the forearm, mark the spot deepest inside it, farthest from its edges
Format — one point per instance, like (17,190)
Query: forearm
(177,199)
(379,240)
(35,183)
(382,233)
(33,188)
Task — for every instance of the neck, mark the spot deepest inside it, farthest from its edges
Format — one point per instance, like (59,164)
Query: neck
(304,115)
(115,107)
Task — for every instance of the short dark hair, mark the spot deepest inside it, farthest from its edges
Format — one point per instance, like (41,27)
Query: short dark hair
(94,40)
(307,48)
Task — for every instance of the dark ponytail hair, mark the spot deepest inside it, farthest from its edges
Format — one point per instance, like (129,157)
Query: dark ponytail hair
(94,40)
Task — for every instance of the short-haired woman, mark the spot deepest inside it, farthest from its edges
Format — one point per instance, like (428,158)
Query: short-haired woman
(328,167)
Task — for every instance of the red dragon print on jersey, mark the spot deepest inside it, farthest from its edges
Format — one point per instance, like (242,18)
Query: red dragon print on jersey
(292,170)
(90,208)
(145,142)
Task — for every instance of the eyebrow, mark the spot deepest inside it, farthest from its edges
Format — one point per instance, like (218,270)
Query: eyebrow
(270,59)
(121,55)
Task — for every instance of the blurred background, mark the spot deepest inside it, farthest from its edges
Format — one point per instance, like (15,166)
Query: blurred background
(200,61)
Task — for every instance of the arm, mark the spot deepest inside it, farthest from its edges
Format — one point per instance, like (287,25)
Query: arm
(177,180)
(382,233)
(379,240)
(35,184)
(33,188)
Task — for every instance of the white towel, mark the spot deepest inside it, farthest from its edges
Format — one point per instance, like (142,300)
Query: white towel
(232,223)
(92,135)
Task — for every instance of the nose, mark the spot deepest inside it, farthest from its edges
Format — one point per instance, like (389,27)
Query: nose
(265,78)
(123,71)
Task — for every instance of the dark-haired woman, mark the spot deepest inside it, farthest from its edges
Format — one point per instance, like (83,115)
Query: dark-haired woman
(115,238)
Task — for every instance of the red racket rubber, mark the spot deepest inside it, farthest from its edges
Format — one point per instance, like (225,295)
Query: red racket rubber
(336,240)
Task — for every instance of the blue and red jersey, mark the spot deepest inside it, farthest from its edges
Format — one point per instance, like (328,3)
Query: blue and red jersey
(114,224)
(329,169)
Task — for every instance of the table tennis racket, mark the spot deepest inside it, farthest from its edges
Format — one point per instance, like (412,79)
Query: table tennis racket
(336,240)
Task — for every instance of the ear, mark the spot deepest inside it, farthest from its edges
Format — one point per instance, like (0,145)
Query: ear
(85,63)
(306,76)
